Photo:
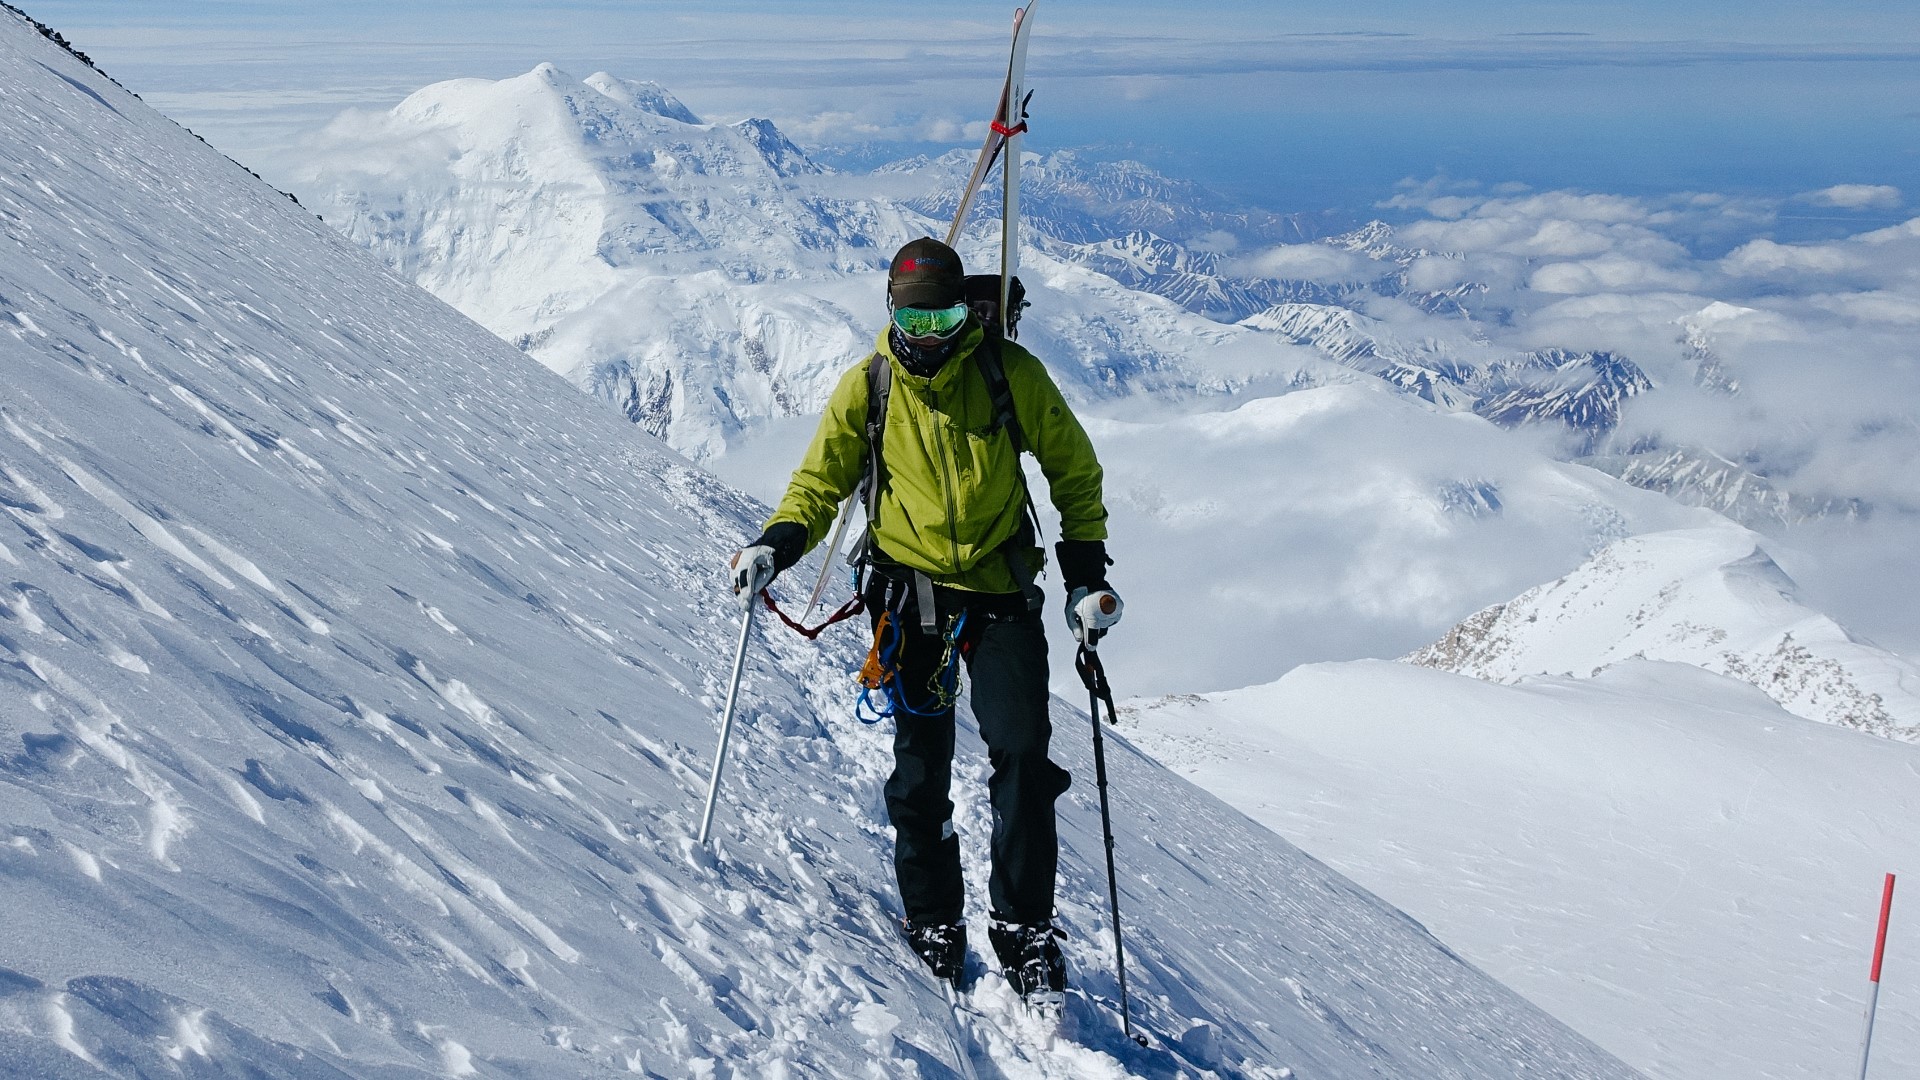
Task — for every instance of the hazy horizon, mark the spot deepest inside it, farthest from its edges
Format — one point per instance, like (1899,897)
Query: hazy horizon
(1330,109)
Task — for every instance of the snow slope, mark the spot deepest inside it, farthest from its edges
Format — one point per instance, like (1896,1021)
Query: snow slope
(357,687)
(1713,598)
(1660,856)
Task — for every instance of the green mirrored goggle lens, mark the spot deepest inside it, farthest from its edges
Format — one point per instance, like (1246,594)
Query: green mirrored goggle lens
(930,322)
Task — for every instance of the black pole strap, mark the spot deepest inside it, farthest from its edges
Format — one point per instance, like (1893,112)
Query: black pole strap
(1087,663)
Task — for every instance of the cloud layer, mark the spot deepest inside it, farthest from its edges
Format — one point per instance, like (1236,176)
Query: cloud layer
(1798,362)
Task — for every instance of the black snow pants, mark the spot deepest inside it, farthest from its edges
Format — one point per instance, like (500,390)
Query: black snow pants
(1005,651)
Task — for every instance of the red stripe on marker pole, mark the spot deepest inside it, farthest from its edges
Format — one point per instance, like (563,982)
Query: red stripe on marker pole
(1873,989)
(1880,942)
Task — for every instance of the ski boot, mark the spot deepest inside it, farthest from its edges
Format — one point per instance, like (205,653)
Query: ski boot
(943,946)
(1030,955)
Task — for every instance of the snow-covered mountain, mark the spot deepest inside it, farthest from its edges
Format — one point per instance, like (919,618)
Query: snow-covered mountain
(1713,598)
(357,688)
(710,279)
(720,346)
(707,279)
(1204,282)
(1698,476)
(1662,856)
(1582,390)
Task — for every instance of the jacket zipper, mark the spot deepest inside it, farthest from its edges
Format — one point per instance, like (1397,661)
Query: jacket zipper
(946,474)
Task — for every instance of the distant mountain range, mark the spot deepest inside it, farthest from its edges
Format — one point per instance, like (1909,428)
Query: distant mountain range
(708,277)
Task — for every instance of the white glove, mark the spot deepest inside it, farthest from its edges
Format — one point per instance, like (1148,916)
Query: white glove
(1091,614)
(750,571)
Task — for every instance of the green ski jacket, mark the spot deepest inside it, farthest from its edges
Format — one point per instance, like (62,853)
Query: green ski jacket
(953,494)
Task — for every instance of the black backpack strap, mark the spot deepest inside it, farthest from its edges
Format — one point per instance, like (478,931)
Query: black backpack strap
(1000,392)
(879,389)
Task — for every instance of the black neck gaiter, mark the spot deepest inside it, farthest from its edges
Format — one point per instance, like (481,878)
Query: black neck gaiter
(924,361)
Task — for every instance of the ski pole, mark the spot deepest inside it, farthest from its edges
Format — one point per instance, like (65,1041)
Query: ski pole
(1879,951)
(726,721)
(1097,611)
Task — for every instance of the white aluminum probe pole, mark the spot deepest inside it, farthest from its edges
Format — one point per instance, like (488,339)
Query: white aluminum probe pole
(726,721)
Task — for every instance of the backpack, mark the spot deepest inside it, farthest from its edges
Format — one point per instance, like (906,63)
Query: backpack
(982,294)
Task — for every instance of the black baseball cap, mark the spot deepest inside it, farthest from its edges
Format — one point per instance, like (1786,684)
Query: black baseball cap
(925,274)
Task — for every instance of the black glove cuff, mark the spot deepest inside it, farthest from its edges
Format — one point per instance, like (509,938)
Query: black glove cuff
(1083,564)
(788,539)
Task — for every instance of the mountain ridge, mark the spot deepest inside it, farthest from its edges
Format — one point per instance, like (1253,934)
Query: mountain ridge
(361,687)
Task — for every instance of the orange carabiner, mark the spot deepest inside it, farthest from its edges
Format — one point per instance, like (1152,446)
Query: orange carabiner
(874,674)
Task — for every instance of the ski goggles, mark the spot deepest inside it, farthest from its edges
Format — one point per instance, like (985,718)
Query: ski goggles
(930,322)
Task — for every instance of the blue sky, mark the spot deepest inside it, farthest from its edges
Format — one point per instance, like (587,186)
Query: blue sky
(1300,106)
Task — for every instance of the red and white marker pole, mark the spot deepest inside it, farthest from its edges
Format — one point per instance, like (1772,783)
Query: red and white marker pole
(1879,950)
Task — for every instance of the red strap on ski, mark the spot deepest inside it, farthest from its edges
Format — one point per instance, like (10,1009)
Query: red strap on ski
(1006,132)
(847,611)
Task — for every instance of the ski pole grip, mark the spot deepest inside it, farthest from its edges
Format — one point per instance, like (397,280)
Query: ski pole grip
(1097,611)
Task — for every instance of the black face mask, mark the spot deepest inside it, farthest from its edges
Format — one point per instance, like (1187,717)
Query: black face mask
(922,360)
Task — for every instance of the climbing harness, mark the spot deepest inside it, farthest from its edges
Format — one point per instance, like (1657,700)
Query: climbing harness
(880,675)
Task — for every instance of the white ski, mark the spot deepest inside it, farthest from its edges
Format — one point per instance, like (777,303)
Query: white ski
(1012,103)
(1010,125)
(960,1038)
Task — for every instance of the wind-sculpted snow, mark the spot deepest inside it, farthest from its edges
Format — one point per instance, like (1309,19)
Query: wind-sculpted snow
(358,682)
(1713,598)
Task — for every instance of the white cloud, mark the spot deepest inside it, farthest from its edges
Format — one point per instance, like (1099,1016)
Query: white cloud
(372,145)
(1855,196)
(1563,225)
(1309,262)
(1762,258)
(1219,242)
(1611,272)
(843,127)
(1438,273)
(1818,336)
(1875,306)
(1887,258)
